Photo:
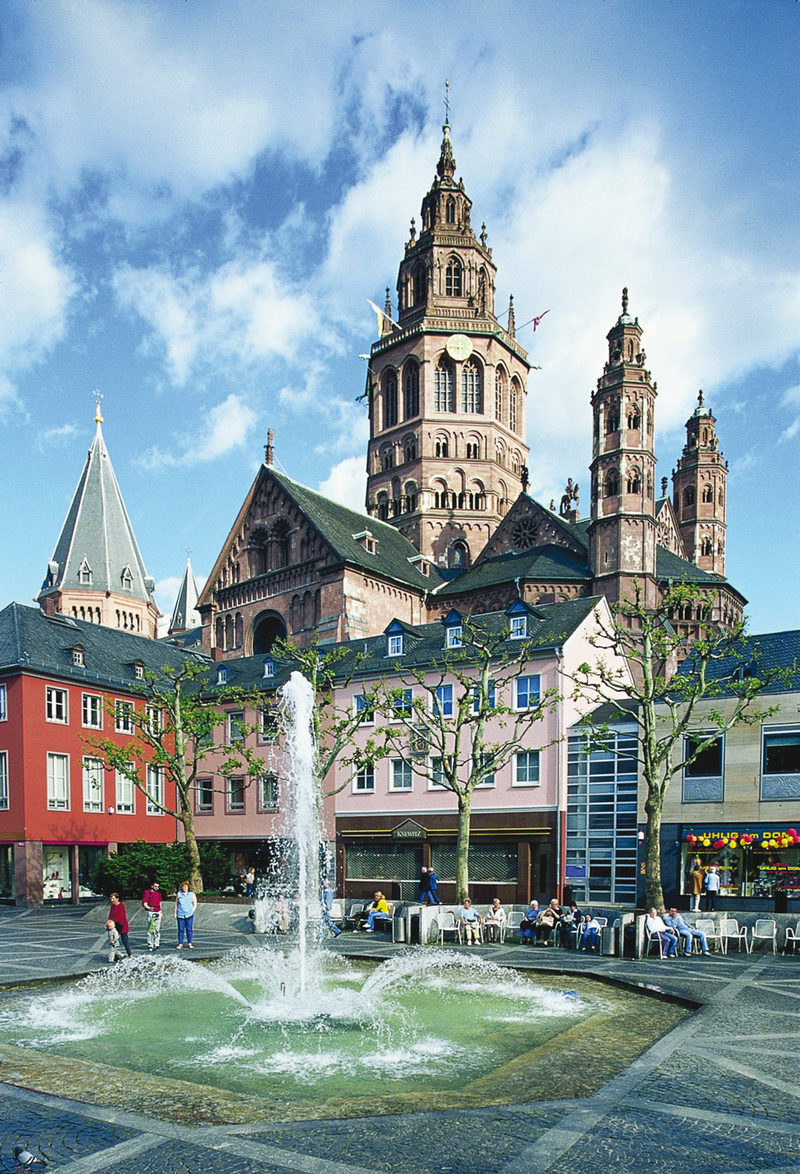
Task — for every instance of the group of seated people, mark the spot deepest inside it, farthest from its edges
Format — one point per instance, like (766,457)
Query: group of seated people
(672,929)
(556,925)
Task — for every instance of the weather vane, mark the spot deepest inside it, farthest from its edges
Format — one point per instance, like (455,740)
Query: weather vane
(447,101)
(98,415)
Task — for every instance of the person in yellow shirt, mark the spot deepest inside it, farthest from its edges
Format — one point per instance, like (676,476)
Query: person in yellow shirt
(378,909)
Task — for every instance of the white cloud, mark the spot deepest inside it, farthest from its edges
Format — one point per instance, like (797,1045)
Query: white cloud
(347,483)
(58,435)
(226,428)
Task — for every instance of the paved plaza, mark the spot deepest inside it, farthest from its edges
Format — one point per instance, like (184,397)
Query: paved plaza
(720,1093)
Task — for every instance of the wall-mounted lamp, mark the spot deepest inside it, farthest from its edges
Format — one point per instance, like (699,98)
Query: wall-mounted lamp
(111,811)
(640,836)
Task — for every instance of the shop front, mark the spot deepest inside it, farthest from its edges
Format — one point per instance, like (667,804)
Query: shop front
(756,862)
(59,862)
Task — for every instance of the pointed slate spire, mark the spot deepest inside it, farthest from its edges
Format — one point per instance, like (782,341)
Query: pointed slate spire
(184,614)
(96,562)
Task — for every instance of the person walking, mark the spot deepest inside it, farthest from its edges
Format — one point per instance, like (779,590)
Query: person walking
(114,952)
(185,905)
(433,888)
(424,886)
(712,888)
(151,903)
(118,915)
(696,878)
(326,900)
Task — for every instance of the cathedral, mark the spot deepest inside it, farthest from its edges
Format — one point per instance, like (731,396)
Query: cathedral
(449,522)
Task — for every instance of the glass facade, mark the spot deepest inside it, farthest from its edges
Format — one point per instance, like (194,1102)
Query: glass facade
(601,817)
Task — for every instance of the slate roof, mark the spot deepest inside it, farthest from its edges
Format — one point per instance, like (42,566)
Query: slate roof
(184,615)
(761,655)
(32,641)
(97,533)
(550,625)
(541,563)
(337,524)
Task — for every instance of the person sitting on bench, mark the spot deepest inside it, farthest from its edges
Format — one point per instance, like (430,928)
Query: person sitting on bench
(378,911)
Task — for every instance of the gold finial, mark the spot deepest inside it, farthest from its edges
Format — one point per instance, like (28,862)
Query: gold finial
(98,415)
(269,451)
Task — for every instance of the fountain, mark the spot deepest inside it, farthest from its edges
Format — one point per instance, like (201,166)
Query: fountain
(287,1027)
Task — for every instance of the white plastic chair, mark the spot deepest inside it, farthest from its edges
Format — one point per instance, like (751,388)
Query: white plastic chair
(729,928)
(792,935)
(447,925)
(653,939)
(766,930)
(500,929)
(462,933)
(709,927)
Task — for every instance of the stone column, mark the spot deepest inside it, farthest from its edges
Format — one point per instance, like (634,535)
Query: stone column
(28,875)
(74,874)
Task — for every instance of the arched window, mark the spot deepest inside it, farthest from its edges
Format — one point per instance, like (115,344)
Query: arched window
(229,631)
(411,496)
(688,495)
(634,417)
(499,393)
(708,494)
(612,417)
(450,211)
(706,547)
(471,391)
(513,405)
(482,291)
(443,396)
(220,632)
(459,555)
(389,399)
(279,545)
(611,483)
(387,457)
(453,278)
(383,506)
(473,450)
(410,448)
(410,391)
(420,286)
(441,447)
(634,481)
(239,630)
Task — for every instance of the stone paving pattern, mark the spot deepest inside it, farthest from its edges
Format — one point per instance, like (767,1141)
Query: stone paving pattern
(719,1093)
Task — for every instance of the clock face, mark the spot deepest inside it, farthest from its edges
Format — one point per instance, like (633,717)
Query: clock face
(458,347)
(525,534)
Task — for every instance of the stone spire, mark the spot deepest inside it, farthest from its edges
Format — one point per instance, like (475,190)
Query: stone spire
(446,166)
(96,571)
(184,614)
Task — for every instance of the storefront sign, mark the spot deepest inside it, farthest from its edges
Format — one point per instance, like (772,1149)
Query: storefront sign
(409,830)
(774,837)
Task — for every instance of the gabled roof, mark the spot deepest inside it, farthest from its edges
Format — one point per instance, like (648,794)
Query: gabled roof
(763,656)
(541,563)
(30,640)
(97,548)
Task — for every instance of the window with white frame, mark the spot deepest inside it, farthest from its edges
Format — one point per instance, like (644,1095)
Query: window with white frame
(268,794)
(364,709)
(780,763)
(155,790)
(126,794)
(401,776)
(58,782)
(269,724)
(3,780)
(519,627)
(205,795)
(56,705)
(438,776)
(485,762)
(235,794)
(452,636)
(92,711)
(402,703)
(3,706)
(123,716)
(364,779)
(489,699)
(526,768)
(94,777)
(235,722)
(396,645)
(527,692)
(444,700)
(155,719)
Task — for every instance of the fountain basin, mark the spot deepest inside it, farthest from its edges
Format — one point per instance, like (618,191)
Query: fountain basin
(237,1040)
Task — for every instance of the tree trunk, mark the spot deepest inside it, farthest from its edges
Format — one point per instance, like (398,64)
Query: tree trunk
(654,892)
(195,872)
(462,846)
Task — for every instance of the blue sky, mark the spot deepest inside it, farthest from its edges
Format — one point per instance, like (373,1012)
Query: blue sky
(198,196)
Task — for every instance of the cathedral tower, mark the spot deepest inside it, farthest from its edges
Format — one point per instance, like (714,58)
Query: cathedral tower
(699,485)
(447,387)
(622,532)
(96,572)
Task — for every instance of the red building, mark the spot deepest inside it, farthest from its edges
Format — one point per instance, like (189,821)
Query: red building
(63,682)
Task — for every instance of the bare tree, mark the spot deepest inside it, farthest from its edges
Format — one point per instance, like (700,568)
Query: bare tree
(172,742)
(663,702)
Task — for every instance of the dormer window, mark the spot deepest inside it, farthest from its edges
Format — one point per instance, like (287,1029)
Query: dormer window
(452,636)
(126,579)
(519,627)
(77,656)
(395,645)
(84,574)
(138,670)
(269,667)
(222,675)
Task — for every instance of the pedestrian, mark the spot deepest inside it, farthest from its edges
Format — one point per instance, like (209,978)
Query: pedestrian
(250,883)
(326,899)
(114,952)
(151,903)
(118,915)
(696,879)
(712,888)
(185,905)
(424,886)
(433,886)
